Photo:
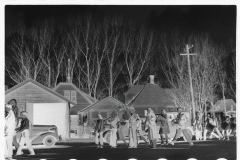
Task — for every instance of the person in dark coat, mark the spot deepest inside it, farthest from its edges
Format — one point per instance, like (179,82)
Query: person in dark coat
(233,124)
(164,127)
(209,127)
(99,131)
(226,127)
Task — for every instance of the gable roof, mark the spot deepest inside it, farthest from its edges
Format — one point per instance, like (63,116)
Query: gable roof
(135,89)
(100,102)
(152,95)
(89,98)
(39,85)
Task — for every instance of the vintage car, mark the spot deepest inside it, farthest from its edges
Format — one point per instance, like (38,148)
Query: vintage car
(43,134)
(125,129)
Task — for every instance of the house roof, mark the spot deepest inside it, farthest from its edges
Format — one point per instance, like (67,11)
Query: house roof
(76,108)
(39,85)
(135,89)
(89,98)
(152,95)
(103,102)
(230,105)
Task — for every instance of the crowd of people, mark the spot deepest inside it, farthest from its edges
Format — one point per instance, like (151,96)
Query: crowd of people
(147,130)
(202,125)
(16,127)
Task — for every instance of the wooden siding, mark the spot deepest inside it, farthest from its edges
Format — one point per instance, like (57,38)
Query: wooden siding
(30,93)
(80,98)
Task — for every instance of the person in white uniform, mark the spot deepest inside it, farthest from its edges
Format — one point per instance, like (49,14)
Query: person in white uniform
(10,124)
(113,126)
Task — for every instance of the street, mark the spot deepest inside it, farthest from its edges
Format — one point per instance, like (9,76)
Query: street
(202,150)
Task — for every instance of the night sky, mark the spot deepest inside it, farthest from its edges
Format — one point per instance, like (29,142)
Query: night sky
(219,21)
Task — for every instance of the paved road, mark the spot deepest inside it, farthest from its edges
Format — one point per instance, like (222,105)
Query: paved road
(204,150)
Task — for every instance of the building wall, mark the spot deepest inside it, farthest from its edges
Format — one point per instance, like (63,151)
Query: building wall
(80,98)
(31,93)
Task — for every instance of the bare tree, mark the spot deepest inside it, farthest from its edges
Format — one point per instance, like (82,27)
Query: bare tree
(112,30)
(137,49)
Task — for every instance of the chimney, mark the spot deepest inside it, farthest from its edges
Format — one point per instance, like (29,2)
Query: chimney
(152,79)
(68,77)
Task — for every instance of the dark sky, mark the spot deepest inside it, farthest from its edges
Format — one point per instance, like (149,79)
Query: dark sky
(218,21)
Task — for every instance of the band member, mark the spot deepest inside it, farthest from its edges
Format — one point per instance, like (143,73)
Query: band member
(10,125)
(226,127)
(164,127)
(24,131)
(113,126)
(233,124)
(197,126)
(180,122)
(215,122)
(122,115)
(209,127)
(133,122)
(152,128)
(99,132)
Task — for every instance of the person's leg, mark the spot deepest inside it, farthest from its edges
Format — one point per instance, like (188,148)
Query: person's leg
(115,137)
(197,135)
(101,138)
(154,143)
(134,137)
(214,134)
(15,143)
(228,132)
(161,135)
(218,132)
(96,138)
(130,138)
(28,143)
(177,135)
(187,136)
(205,134)
(9,146)
(166,138)
(111,138)
(21,144)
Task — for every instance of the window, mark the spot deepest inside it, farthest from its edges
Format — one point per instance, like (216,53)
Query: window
(73,96)
(67,94)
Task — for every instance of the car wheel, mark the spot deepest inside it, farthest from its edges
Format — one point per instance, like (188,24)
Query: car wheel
(106,137)
(49,141)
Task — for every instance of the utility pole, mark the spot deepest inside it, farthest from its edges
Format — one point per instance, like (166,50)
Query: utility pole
(190,77)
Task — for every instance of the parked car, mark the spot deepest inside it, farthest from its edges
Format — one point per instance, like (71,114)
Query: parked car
(43,134)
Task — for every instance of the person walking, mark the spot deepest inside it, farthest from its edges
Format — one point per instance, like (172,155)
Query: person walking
(233,124)
(113,129)
(99,132)
(152,128)
(215,129)
(13,103)
(197,126)
(24,131)
(209,127)
(180,122)
(133,122)
(10,125)
(164,127)
(226,128)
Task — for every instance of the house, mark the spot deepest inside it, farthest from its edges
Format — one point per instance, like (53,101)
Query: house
(104,106)
(82,100)
(73,93)
(44,106)
(229,103)
(142,97)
